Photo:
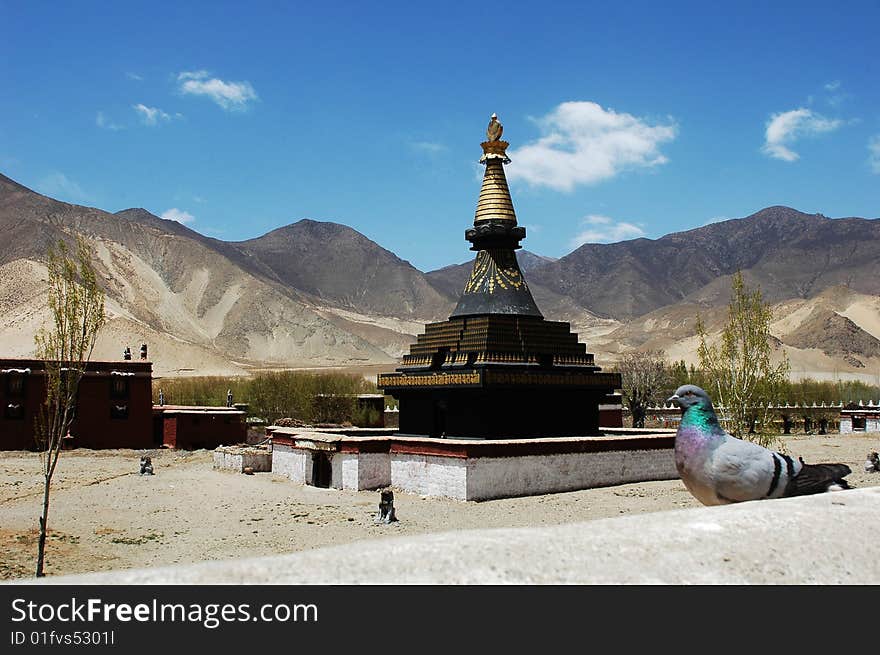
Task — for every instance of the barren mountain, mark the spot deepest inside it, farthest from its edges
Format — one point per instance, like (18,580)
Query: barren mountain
(343,268)
(835,332)
(791,255)
(319,294)
(835,335)
(165,283)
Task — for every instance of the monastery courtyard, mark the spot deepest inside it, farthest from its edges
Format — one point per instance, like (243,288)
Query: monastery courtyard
(104,516)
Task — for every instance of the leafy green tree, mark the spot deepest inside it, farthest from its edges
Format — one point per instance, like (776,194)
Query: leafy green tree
(644,377)
(76,303)
(680,373)
(739,371)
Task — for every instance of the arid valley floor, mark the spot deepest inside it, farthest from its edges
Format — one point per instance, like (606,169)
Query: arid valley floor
(105,516)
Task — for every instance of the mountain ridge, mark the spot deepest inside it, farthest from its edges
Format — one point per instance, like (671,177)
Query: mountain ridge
(318,293)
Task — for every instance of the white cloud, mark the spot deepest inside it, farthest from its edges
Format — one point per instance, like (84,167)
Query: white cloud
(602,229)
(784,128)
(134,76)
(175,214)
(428,146)
(231,96)
(583,143)
(105,123)
(61,187)
(874,150)
(832,86)
(151,115)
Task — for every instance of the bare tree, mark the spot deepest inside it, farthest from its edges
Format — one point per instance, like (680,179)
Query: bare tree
(76,303)
(743,380)
(644,377)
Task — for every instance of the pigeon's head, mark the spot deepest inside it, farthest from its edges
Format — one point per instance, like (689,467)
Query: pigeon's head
(690,395)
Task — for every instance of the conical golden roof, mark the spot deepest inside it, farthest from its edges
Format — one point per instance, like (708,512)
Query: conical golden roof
(494,203)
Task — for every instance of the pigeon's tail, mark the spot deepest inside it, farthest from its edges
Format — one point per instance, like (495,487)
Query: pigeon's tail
(818,478)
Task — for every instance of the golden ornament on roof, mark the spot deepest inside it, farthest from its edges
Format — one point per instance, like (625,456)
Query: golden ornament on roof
(495,129)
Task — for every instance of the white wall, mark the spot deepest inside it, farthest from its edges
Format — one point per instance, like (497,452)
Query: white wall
(430,475)
(291,463)
(480,478)
(362,471)
(503,477)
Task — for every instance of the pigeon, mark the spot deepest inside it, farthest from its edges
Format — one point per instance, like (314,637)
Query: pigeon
(719,469)
(872,462)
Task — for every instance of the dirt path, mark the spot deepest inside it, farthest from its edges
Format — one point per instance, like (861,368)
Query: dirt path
(104,516)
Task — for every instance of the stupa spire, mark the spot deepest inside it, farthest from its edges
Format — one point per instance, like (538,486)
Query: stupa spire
(496,284)
(494,203)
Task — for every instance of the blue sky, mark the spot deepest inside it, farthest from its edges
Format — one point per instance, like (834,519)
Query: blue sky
(625,119)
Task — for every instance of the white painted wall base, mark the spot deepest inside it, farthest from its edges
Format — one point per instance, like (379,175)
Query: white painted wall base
(236,458)
(430,475)
(504,477)
(483,471)
(485,478)
(291,463)
(362,471)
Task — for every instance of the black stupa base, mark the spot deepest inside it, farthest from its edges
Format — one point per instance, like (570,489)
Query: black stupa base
(520,414)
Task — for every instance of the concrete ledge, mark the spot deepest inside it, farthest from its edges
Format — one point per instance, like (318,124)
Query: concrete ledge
(831,538)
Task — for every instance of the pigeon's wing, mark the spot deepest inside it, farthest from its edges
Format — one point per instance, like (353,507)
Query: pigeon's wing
(742,470)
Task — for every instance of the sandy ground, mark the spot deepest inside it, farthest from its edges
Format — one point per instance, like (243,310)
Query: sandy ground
(105,516)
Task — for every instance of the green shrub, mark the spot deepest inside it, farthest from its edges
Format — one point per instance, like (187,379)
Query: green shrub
(309,397)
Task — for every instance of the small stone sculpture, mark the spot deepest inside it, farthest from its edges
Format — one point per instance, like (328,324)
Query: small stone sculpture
(386,507)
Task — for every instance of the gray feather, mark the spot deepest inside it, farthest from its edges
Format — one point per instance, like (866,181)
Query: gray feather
(717,468)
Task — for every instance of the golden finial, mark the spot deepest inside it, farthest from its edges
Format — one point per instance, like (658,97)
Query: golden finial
(494,147)
(495,129)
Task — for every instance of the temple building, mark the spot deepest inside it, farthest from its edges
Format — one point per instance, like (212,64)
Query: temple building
(477,374)
(113,409)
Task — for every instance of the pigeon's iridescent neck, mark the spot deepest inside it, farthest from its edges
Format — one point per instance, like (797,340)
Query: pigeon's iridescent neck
(701,417)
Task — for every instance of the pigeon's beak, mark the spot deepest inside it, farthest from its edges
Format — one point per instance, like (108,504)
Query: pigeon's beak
(673,399)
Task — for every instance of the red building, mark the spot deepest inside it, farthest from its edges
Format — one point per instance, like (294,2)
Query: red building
(190,427)
(113,405)
(611,411)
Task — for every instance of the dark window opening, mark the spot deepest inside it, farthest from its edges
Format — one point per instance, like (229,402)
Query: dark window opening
(119,411)
(322,470)
(859,423)
(15,384)
(14,411)
(119,387)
